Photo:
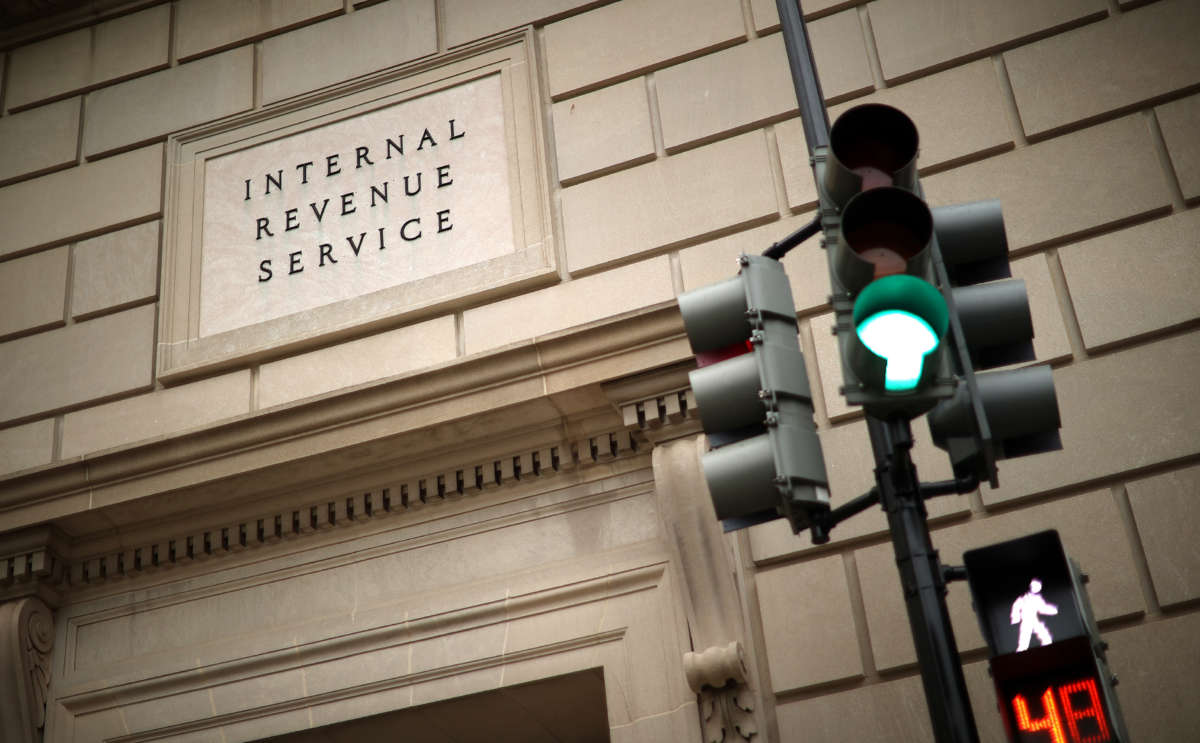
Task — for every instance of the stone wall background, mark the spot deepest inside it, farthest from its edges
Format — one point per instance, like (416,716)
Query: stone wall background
(676,146)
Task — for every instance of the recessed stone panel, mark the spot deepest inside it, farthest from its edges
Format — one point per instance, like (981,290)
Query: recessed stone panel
(360,207)
(391,196)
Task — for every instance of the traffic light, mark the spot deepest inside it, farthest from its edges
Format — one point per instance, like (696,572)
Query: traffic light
(1047,660)
(891,318)
(997,414)
(753,397)
(923,299)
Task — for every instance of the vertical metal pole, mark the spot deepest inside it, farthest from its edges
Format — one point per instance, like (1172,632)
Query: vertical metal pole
(923,584)
(899,489)
(804,75)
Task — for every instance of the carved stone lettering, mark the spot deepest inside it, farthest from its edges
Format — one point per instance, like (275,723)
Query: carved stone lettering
(384,198)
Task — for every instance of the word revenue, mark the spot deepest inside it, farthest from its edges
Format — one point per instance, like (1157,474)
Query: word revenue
(343,205)
(410,230)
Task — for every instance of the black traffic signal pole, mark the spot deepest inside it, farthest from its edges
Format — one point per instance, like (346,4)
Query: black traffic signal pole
(897,486)
(923,581)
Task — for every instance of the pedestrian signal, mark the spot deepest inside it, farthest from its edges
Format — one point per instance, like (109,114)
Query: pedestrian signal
(1046,657)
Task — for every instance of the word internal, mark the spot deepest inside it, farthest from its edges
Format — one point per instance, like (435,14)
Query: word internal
(419,219)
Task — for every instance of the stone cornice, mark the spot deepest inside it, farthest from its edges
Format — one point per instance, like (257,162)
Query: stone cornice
(586,420)
(312,516)
(547,380)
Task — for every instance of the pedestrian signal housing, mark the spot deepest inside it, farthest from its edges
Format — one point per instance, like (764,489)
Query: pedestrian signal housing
(1048,662)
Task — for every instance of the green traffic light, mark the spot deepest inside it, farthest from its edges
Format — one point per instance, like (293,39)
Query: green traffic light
(901,319)
(903,339)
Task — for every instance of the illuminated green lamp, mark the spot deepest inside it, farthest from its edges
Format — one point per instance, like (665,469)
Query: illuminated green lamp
(901,319)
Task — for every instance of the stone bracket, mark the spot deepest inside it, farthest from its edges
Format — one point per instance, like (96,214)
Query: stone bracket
(715,667)
(26,639)
(727,714)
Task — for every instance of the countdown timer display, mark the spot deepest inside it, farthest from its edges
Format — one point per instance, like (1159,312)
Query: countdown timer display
(1065,707)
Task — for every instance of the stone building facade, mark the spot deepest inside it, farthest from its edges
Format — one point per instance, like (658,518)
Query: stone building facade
(464,504)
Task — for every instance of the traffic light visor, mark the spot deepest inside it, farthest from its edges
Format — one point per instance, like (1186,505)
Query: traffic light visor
(872,145)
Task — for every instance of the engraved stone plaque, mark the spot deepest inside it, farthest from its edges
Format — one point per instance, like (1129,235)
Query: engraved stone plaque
(361,207)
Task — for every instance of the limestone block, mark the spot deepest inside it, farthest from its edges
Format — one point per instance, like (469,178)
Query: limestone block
(26,446)
(81,200)
(1137,280)
(663,202)
(829,368)
(625,38)
(1045,192)
(357,362)
(808,641)
(964,29)
(347,46)
(32,290)
(1167,514)
(159,413)
(268,726)
(1050,342)
(257,691)
(840,54)
(725,91)
(568,304)
(116,269)
(80,362)
(48,68)
(1156,665)
(121,47)
(39,139)
(1111,65)
(797,170)
(893,711)
(678,724)
(467,20)
(131,44)
(171,710)
(169,100)
(1179,121)
(602,130)
(205,25)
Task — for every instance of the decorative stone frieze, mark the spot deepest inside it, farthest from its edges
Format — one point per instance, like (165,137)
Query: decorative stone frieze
(405,495)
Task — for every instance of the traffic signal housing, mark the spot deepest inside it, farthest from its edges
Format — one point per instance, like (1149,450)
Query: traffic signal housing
(995,414)
(891,318)
(1047,659)
(754,400)
(924,299)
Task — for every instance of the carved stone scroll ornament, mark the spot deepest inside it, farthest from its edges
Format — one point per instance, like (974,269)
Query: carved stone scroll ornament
(26,638)
(718,676)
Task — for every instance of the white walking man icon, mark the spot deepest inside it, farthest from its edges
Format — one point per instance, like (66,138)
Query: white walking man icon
(1026,610)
